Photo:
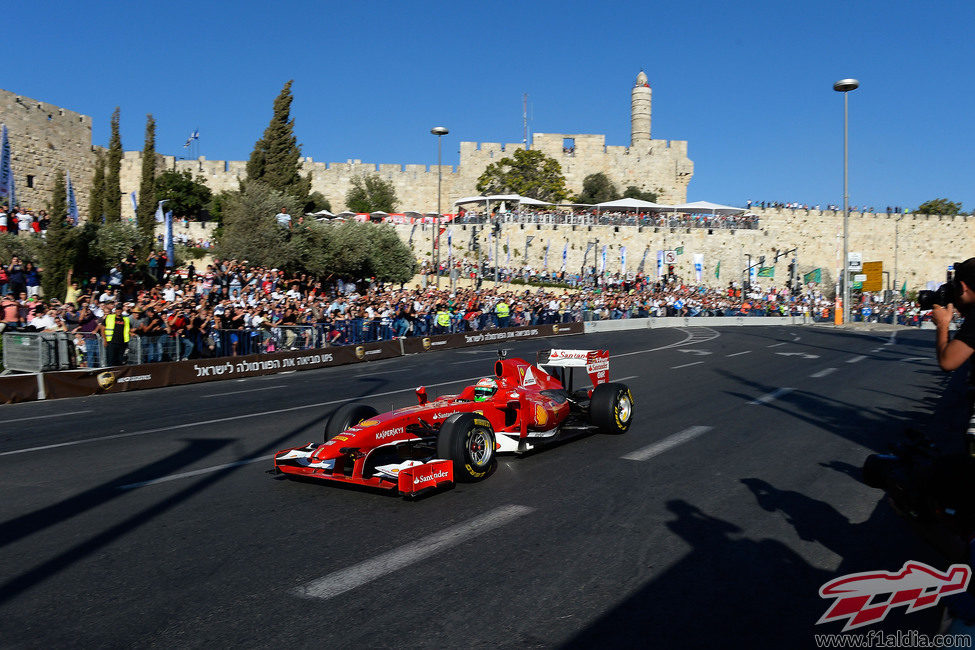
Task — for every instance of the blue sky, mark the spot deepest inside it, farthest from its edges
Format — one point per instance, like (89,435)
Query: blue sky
(748,84)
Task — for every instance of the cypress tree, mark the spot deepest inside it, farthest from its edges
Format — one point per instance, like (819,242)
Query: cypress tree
(96,198)
(112,197)
(59,245)
(275,159)
(147,188)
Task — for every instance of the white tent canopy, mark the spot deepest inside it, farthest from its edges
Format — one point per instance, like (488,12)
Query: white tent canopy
(517,198)
(631,203)
(320,213)
(700,207)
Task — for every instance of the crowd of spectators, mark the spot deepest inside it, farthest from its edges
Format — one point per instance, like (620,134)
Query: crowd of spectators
(796,205)
(231,307)
(18,220)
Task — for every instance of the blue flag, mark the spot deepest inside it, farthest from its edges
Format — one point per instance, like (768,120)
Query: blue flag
(565,254)
(169,239)
(135,204)
(602,262)
(6,176)
(622,258)
(72,202)
(13,191)
(159,212)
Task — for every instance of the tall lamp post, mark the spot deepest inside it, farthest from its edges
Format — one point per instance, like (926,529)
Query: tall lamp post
(845,86)
(440,132)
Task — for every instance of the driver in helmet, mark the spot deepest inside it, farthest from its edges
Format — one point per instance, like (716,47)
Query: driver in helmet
(485,389)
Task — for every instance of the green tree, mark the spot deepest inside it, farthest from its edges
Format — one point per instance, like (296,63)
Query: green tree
(114,241)
(391,260)
(112,196)
(145,217)
(528,173)
(370,193)
(276,156)
(634,192)
(249,231)
(96,198)
(317,201)
(939,206)
(187,197)
(59,252)
(597,188)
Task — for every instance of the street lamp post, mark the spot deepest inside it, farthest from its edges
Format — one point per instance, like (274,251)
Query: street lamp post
(845,86)
(438,131)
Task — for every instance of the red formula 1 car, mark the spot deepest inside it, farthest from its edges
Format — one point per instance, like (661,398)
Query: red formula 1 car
(456,437)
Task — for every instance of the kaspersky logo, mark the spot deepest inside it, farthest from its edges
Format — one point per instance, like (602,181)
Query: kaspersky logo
(429,477)
(865,598)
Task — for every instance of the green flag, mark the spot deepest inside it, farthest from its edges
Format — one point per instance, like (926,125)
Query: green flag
(904,289)
(680,250)
(766,272)
(813,276)
(717,271)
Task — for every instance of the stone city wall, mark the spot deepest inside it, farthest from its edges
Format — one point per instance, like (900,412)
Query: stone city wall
(924,245)
(44,141)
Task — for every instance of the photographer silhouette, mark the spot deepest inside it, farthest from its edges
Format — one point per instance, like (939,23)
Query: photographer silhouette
(961,298)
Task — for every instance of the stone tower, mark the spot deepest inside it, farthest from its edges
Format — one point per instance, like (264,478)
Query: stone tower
(640,111)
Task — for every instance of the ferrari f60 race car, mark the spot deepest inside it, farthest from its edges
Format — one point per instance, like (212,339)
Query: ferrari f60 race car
(457,437)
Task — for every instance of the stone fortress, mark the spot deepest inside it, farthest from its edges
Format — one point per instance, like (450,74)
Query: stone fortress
(45,138)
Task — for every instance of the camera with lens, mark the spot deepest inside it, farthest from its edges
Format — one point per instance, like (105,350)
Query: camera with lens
(947,294)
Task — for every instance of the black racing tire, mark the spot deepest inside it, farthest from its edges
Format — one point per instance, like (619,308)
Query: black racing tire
(467,439)
(347,415)
(611,408)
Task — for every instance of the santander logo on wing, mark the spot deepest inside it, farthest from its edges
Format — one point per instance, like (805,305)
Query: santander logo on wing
(429,477)
(916,585)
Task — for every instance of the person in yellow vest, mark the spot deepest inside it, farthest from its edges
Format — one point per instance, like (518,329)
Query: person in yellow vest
(503,311)
(443,320)
(117,331)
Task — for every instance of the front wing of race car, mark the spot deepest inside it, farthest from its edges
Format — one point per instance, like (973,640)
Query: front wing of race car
(409,478)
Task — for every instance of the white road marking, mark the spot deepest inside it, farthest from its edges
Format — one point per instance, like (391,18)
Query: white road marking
(686,365)
(231,418)
(698,353)
(775,345)
(248,390)
(802,355)
(690,338)
(53,415)
(737,353)
(339,582)
(457,363)
(275,375)
(774,395)
(892,338)
(195,472)
(823,373)
(917,359)
(381,371)
(856,359)
(625,378)
(666,444)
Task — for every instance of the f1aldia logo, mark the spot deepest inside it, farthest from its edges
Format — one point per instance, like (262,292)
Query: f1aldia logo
(865,598)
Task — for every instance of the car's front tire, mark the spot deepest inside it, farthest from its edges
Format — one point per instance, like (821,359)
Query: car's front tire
(467,439)
(347,416)
(611,408)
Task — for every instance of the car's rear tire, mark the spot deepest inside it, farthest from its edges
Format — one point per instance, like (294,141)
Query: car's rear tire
(611,408)
(347,415)
(467,439)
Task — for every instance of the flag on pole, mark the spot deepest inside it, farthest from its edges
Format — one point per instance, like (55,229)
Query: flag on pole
(6,176)
(170,254)
(660,264)
(72,202)
(622,259)
(548,245)
(159,212)
(135,203)
(904,289)
(602,261)
(643,260)
(13,191)
(565,254)
(490,248)
(195,135)
(698,265)
(450,249)
(717,271)
(412,230)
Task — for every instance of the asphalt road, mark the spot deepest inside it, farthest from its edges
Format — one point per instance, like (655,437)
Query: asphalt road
(151,518)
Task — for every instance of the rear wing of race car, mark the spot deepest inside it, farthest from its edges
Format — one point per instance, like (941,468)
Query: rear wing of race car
(596,363)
